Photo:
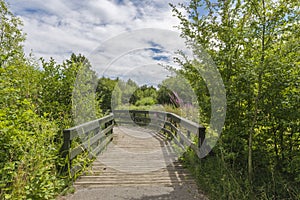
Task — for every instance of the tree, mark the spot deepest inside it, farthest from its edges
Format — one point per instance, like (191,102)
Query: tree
(116,97)
(127,89)
(11,37)
(143,92)
(66,88)
(251,43)
(85,106)
(27,150)
(163,95)
(104,91)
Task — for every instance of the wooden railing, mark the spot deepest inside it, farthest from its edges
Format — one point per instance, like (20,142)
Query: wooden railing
(184,133)
(91,137)
(154,119)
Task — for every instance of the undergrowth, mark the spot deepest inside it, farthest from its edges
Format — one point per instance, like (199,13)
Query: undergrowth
(218,180)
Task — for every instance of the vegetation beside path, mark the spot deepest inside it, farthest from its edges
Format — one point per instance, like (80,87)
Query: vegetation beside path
(255,45)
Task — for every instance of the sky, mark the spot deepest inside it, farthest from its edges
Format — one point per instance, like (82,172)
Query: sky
(121,38)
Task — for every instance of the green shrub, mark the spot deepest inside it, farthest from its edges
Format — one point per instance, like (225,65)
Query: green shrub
(28,154)
(147,101)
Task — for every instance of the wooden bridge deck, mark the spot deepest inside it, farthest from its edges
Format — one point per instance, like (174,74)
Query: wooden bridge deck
(138,164)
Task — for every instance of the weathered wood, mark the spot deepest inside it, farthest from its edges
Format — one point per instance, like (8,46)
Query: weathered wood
(201,136)
(99,136)
(75,169)
(123,119)
(103,144)
(88,126)
(149,160)
(66,143)
(191,126)
(180,130)
(85,145)
(175,122)
(168,132)
(183,139)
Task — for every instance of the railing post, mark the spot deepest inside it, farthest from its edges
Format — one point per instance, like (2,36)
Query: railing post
(107,124)
(65,149)
(133,116)
(188,134)
(201,136)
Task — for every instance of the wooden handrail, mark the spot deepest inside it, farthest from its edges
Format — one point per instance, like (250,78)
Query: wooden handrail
(92,134)
(183,131)
(95,137)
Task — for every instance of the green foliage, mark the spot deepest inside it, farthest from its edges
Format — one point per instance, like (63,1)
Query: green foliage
(224,182)
(220,181)
(127,89)
(28,154)
(11,37)
(143,92)
(62,82)
(146,101)
(116,97)
(255,46)
(163,95)
(118,93)
(85,106)
(35,106)
(104,92)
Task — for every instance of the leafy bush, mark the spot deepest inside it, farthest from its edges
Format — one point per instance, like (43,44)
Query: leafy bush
(28,154)
(146,101)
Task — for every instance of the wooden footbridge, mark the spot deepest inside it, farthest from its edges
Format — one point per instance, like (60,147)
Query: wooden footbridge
(136,156)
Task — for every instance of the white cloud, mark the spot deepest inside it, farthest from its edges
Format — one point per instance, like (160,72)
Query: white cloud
(109,12)
(58,28)
(137,53)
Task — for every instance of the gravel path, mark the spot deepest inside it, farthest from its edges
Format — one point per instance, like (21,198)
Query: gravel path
(137,193)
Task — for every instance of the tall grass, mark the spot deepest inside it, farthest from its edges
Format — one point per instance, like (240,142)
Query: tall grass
(218,180)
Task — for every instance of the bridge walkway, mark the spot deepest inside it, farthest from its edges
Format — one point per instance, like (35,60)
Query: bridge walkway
(139,164)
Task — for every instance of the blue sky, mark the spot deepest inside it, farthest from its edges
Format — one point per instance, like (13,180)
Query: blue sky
(57,28)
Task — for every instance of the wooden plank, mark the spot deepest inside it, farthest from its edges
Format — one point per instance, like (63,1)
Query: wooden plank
(88,126)
(107,129)
(127,119)
(153,119)
(100,147)
(187,142)
(189,125)
(84,146)
(183,138)
(201,136)
(172,126)
(153,162)
(75,169)
(130,111)
(155,126)
(66,144)
(96,151)
(76,151)
(142,118)
(177,142)
(194,147)
(125,122)
(158,113)
(167,131)
(123,117)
